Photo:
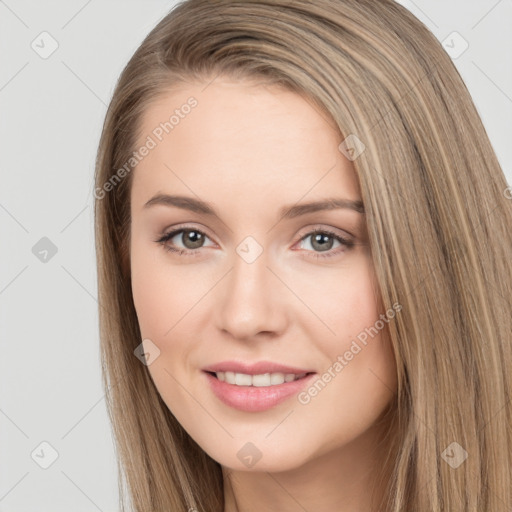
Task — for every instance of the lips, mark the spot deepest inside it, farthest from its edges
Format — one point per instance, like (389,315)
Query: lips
(257,368)
(249,387)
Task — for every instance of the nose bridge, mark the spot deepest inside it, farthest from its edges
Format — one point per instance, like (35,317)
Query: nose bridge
(251,301)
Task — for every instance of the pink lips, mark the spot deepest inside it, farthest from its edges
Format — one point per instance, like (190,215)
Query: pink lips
(258,368)
(251,398)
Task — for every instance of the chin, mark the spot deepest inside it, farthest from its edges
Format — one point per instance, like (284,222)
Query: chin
(259,457)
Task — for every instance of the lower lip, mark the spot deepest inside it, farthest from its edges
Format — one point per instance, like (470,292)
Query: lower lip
(254,398)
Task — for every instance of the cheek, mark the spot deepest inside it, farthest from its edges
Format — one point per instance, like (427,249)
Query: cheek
(365,338)
(171,302)
(161,295)
(345,301)
(161,303)
(150,295)
(359,339)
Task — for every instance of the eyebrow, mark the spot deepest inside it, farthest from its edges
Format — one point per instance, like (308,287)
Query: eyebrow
(287,212)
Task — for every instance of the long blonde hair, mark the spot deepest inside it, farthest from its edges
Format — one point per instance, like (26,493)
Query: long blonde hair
(439,221)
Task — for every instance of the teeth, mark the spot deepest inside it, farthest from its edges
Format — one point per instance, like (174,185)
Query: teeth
(265,379)
(241,379)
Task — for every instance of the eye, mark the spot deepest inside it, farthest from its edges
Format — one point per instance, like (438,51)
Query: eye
(322,241)
(191,238)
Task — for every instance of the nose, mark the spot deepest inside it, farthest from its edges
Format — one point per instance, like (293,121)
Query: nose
(251,300)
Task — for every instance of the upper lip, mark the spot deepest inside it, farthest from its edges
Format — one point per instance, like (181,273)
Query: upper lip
(257,368)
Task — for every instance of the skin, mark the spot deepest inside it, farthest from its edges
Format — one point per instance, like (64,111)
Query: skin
(249,150)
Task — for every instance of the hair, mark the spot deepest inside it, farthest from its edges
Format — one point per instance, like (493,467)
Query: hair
(439,224)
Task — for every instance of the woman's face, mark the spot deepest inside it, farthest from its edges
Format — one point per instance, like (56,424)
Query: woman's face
(251,282)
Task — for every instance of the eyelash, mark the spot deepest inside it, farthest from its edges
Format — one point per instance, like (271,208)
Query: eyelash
(348,244)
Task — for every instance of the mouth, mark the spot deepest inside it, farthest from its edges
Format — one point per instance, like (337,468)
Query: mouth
(258,380)
(257,391)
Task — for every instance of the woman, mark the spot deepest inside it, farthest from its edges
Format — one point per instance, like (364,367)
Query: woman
(303,248)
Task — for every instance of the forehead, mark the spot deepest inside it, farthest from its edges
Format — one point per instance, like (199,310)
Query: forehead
(243,139)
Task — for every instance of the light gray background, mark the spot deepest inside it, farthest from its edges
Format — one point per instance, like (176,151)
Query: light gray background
(52,110)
